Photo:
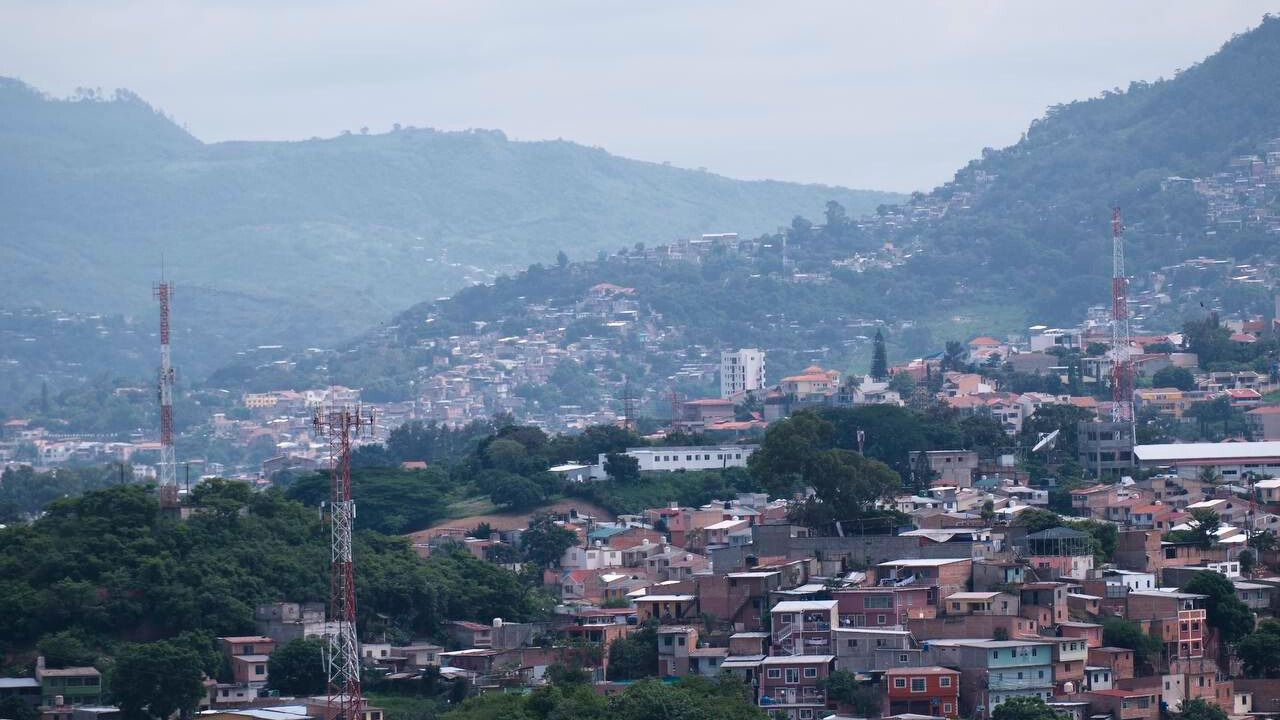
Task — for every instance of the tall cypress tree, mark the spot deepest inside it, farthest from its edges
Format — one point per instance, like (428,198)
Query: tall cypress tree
(879,362)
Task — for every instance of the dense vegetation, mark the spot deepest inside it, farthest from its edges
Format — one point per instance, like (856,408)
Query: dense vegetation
(110,566)
(690,698)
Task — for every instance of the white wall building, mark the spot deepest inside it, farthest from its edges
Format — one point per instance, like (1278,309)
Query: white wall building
(702,457)
(740,371)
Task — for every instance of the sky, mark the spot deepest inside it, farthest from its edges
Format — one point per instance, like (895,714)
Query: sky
(881,95)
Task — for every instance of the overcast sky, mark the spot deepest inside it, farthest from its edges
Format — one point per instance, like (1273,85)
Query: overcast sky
(888,95)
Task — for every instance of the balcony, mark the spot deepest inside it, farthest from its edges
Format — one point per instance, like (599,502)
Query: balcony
(773,696)
(1010,682)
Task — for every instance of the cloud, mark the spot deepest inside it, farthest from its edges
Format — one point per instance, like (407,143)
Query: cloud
(884,95)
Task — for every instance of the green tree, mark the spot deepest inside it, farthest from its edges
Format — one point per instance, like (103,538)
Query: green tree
(152,681)
(13,707)
(1223,609)
(1201,709)
(634,656)
(622,467)
(69,648)
(1037,520)
(1025,708)
(1173,377)
(863,698)
(1119,632)
(787,448)
(545,541)
(1260,651)
(1204,527)
(846,486)
(879,360)
(297,668)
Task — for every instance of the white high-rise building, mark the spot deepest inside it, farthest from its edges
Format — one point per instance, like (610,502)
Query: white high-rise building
(741,370)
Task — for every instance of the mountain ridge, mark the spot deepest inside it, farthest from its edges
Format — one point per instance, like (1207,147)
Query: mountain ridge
(352,227)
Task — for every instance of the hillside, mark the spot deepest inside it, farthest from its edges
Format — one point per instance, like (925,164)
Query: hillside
(274,242)
(1020,235)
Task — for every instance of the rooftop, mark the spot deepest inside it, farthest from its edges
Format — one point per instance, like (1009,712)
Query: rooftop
(922,562)
(1182,452)
(804,605)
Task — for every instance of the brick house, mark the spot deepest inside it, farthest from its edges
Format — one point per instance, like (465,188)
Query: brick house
(932,691)
(873,607)
(793,685)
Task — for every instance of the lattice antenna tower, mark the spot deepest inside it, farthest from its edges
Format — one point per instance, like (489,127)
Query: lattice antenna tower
(342,425)
(168,471)
(1121,339)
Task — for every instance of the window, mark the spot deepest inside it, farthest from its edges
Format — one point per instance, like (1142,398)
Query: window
(944,681)
(902,658)
(946,708)
(899,683)
(811,672)
(680,641)
(666,640)
(806,713)
(852,643)
(880,620)
(878,602)
(917,685)
(775,673)
(793,675)
(259,669)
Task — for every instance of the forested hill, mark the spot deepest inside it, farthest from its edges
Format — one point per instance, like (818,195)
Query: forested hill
(1020,235)
(324,236)
(1035,228)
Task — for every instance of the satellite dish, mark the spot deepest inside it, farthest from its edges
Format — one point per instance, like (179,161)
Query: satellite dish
(1047,442)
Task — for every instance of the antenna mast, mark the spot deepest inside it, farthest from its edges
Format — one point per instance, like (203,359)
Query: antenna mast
(168,471)
(1121,340)
(342,659)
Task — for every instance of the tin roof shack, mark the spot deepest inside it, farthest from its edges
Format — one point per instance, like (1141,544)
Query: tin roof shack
(1070,655)
(995,574)
(666,609)
(1091,633)
(981,603)
(1044,602)
(738,598)
(1125,704)
(884,606)
(933,691)
(803,626)
(793,685)
(1118,660)
(1177,618)
(949,575)
(865,650)
(992,671)
(1059,552)
(674,644)
(974,626)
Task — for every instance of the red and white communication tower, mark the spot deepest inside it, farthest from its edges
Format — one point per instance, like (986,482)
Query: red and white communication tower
(163,292)
(1121,341)
(342,660)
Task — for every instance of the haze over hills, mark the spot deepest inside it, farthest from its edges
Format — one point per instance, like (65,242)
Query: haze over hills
(277,241)
(1020,235)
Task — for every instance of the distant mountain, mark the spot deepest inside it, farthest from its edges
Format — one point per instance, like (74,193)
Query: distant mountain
(1031,227)
(1020,235)
(320,238)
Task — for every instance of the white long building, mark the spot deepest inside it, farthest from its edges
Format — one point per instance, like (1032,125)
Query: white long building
(1231,460)
(701,457)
